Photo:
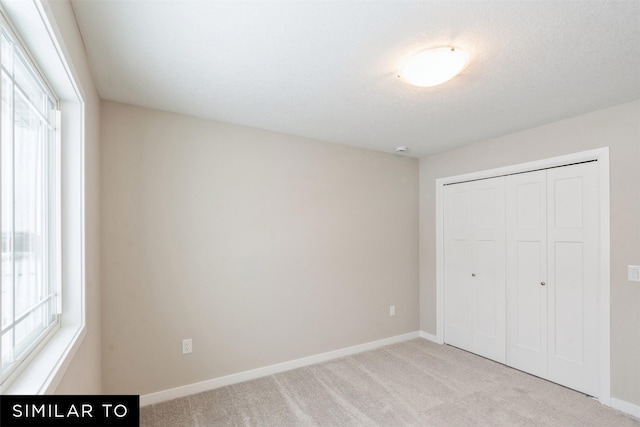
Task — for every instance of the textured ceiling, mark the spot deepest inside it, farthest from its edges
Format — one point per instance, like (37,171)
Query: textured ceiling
(328,69)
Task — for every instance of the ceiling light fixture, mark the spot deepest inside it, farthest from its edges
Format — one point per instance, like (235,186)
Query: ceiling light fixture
(434,67)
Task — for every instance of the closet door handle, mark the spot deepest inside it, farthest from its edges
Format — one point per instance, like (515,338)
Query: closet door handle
(542,283)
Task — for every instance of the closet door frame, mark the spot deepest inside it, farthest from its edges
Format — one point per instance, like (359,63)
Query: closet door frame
(601,155)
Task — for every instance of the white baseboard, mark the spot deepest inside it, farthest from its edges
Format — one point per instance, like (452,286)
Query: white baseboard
(626,407)
(174,393)
(429,337)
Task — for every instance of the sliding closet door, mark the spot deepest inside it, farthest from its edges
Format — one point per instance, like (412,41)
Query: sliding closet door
(526,241)
(458,249)
(474,267)
(573,260)
(521,271)
(488,269)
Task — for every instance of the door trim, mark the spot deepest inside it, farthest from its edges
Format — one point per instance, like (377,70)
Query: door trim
(604,308)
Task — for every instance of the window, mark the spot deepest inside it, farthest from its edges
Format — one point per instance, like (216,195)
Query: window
(30,298)
(36,32)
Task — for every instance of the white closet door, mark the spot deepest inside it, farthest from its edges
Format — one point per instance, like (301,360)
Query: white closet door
(543,318)
(488,274)
(458,248)
(573,218)
(526,242)
(474,267)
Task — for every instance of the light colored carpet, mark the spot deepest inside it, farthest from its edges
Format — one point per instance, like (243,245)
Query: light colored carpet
(414,383)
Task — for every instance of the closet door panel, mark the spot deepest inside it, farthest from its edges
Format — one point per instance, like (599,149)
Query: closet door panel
(489,269)
(573,258)
(474,267)
(526,269)
(458,257)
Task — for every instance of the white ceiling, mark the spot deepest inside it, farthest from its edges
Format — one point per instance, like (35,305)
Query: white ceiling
(328,69)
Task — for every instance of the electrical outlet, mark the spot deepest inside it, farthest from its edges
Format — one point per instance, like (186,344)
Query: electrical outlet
(633,273)
(187,346)
(392,310)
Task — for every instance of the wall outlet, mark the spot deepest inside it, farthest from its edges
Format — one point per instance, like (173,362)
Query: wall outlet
(392,310)
(187,346)
(633,273)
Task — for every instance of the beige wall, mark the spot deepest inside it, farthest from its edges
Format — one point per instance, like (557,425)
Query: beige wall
(617,128)
(83,376)
(260,246)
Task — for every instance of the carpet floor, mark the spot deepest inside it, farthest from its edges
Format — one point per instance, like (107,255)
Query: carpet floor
(413,383)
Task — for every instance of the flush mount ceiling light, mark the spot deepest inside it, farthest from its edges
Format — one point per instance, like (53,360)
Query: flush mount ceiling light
(434,67)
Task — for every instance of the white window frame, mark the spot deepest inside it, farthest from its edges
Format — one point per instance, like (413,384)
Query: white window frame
(32,22)
(53,214)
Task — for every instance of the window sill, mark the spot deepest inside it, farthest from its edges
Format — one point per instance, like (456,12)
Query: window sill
(45,370)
